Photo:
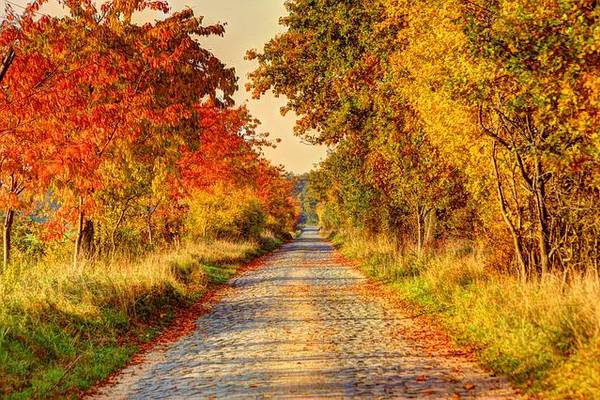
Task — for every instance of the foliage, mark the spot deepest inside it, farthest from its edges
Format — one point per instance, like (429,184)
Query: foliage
(109,127)
(222,213)
(450,119)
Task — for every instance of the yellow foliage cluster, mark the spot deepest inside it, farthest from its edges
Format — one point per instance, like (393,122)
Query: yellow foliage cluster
(476,119)
(225,213)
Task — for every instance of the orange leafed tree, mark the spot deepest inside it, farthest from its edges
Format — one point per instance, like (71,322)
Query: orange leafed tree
(112,120)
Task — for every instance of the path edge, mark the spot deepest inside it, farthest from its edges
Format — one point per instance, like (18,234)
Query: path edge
(182,325)
(425,326)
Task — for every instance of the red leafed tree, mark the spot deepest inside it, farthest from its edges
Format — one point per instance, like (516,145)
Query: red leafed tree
(100,113)
(223,150)
(127,85)
(24,100)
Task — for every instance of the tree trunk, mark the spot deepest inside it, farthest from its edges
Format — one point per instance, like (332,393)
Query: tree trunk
(429,228)
(542,217)
(87,239)
(113,235)
(149,212)
(419,230)
(78,237)
(8,223)
(6,63)
(149,225)
(98,237)
(517,239)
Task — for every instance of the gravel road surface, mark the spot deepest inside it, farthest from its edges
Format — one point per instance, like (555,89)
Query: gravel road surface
(301,326)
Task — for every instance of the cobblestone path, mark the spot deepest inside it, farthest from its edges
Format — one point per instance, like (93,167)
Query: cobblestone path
(298,327)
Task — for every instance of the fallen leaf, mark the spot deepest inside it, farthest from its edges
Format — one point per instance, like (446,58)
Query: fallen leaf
(469,386)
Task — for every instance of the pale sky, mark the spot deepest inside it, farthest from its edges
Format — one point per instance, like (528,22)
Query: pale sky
(250,23)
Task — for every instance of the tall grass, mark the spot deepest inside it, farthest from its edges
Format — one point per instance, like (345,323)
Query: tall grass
(63,328)
(545,335)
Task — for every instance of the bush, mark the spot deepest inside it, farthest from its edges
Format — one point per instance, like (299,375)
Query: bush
(225,213)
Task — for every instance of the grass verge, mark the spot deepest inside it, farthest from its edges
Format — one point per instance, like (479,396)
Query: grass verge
(544,335)
(63,329)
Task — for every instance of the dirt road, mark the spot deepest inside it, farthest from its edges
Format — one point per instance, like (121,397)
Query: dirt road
(304,325)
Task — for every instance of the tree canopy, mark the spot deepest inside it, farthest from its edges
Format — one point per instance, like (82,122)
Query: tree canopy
(451,119)
(108,126)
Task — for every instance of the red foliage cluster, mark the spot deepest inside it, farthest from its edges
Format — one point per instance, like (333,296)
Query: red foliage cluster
(99,114)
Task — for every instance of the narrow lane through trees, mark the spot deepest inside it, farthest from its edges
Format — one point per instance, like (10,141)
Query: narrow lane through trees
(304,325)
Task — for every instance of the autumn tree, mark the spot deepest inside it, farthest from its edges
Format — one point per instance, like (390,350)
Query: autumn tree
(482,114)
(507,73)
(139,86)
(118,123)
(24,78)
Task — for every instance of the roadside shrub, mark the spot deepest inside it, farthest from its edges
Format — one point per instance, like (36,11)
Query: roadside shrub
(225,213)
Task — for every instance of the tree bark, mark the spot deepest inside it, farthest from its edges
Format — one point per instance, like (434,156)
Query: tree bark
(87,239)
(8,223)
(420,228)
(149,224)
(419,236)
(517,240)
(114,231)
(542,217)
(79,236)
(6,63)
(429,229)
(149,213)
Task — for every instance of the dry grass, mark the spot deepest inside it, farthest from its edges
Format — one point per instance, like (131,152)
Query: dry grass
(62,328)
(545,335)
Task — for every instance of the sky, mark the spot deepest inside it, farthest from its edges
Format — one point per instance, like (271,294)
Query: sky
(250,23)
